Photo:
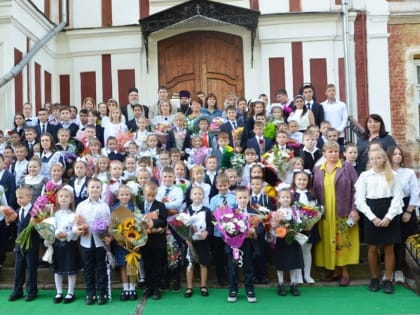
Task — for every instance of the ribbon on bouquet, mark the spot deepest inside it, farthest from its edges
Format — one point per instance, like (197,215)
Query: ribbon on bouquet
(237,256)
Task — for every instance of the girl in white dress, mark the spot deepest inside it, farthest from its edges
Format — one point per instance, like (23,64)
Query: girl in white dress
(115,124)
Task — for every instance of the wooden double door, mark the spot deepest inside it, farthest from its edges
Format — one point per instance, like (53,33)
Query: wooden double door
(211,62)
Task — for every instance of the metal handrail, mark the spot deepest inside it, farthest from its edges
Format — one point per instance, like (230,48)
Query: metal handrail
(353,130)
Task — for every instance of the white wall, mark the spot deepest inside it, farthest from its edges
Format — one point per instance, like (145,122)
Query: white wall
(126,14)
(85,13)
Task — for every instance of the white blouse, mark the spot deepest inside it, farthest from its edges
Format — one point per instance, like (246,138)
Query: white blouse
(409,185)
(372,185)
(64,222)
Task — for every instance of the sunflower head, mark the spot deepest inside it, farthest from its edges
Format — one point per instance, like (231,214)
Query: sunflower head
(120,228)
(128,224)
(132,235)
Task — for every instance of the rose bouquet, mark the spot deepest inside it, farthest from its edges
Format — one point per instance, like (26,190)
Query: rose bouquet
(309,214)
(8,213)
(286,224)
(233,225)
(292,144)
(181,224)
(123,139)
(51,189)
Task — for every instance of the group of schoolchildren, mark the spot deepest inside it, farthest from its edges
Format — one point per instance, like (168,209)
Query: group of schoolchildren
(176,179)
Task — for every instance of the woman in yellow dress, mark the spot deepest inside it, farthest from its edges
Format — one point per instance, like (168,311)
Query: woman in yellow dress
(334,187)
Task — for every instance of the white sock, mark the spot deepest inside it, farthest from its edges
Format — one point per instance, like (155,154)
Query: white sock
(132,286)
(72,284)
(293,275)
(280,277)
(58,279)
(307,261)
(125,286)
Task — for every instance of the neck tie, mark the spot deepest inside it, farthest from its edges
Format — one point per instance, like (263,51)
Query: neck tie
(261,142)
(146,207)
(22,214)
(205,140)
(224,200)
(30,146)
(308,105)
(43,128)
(235,125)
(254,200)
(167,192)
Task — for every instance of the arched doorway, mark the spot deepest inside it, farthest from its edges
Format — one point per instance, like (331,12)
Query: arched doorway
(202,61)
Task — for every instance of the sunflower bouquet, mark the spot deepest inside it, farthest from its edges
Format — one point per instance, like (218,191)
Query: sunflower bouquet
(129,230)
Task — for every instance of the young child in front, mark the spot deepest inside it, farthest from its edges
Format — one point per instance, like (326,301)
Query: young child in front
(91,245)
(19,167)
(211,173)
(217,151)
(350,154)
(301,187)
(130,168)
(180,176)
(197,180)
(288,257)
(249,249)
(34,178)
(234,179)
(26,260)
(128,285)
(102,169)
(223,198)
(250,157)
(110,189)
(202,230)
(379,197)
(151,147)
(154,252)
(66,251)
(141,133)
(294,132)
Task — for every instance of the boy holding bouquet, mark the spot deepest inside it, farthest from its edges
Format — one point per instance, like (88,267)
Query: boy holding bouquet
(249,249)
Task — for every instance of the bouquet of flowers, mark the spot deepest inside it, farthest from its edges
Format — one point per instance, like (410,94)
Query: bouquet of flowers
(173,251)
(216,123)
(182,183)
(237,136)
(309,214)
(129,230)
(263,215)
(233,225)
(8,213)
(136,191)
(286,223)
(292,144)
(123,139)
(100,226)
(413,246)
(41,210)
(270,131)
(237,161)
(228,153)
(278,159)
(51,191)
(162,129)
(181,224)
(198,155)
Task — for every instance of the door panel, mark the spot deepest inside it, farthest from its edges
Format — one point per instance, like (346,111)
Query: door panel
(206,61)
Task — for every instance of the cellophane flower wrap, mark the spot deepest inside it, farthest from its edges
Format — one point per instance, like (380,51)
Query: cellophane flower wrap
(136,191)
(237,136)
(237,161)
(216,123)
(181,224)
(123,139)
(200,155)
(286,223)
(228,153)
(278,159)
(234,226)
(41,210)
(51,189)
(309,214)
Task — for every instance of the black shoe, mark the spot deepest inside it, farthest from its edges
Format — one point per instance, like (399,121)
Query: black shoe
(101,299)
(156,295)
(176,287)
(90,300)
(58,298)
(264,280)
(133,295)
(281,290)
(294,290)
(124,296)
(251,297)
(388,287)
(148,292)
(31,297)
(374,285)
(222,282)
(13,297)
(141,284)
(233,297)
(69,298)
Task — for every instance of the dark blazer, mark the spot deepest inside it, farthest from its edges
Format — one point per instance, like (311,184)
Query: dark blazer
(73,129)
(35,239)
(318,112)
(82,195)
(227,127)
(218,154)
(264,201)
(30,150)
(116,156)
(50,129)
(345,178)
(308,160)
(125,113)
(132,125)
(157,240)
(8,182)
(100,134)
(253,143)
(213,189)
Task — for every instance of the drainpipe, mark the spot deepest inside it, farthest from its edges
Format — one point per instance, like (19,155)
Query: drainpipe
(346,56)
(35,48)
